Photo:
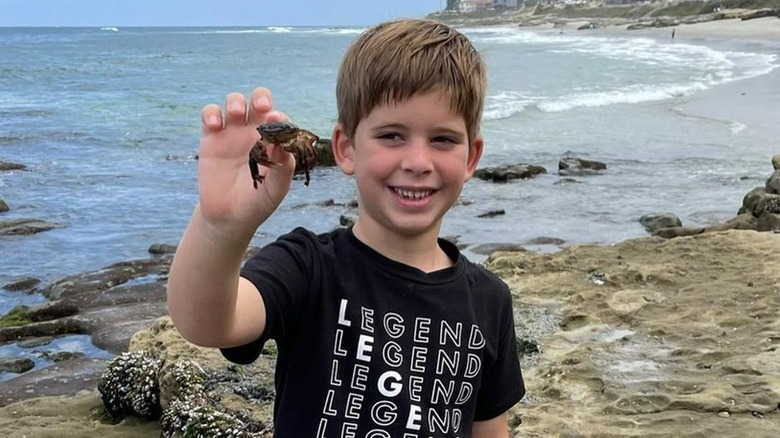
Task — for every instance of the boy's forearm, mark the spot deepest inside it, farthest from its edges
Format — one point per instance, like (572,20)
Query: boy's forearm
(203,282)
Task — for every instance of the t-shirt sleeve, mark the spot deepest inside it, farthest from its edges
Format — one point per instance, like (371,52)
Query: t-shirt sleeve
(502,382)
(281,272)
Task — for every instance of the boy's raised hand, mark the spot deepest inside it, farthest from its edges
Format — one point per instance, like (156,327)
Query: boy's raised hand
(228,200)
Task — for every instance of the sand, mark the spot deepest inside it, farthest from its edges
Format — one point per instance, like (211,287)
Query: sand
(674,338)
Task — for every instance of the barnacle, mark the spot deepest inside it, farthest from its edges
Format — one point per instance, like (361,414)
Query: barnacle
(199,419)
(129,386)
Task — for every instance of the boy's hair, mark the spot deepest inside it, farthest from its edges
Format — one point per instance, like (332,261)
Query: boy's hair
(396,60)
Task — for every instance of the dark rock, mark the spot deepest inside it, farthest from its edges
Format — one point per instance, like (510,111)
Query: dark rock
(6,165)
(490,248)
(17,227)
(671,232)
(346,221)
(573,166)
(16,365)
(26,284)
(509,172)
(61,356)
(759,13)
(107,277)
(63,378)
(55,327)
(768,203)
(566,181)
(751,199)
(3,207)
(492,213)
(324,148)
(52,310)
(162,248)
(35,342)
(768,222)
(543,240)
(744,221)
(655,221)
(773,183)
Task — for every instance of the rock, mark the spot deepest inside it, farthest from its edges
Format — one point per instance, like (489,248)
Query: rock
(492,213)
(759,13)
(655,221)
(6,166)
(768,222)
(3,207)
(566,181)
(324,148)
(671,232)
(751,199)
(490,248)
(107,277)
(627,302)
(17,227)
(16,365)
(162,248)
(573,166)
(744,221)
(768,203)
(346,221)
(509,172)
(63,378)
(26,284)
(773,183)
(544,240)
(776,162)
(35,342)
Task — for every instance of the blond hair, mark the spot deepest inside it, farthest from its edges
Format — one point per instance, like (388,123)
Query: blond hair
(396,60)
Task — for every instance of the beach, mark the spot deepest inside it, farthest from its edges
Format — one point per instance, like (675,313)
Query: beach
(641,337)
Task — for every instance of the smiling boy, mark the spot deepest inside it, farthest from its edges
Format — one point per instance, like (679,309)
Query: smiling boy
(383,329)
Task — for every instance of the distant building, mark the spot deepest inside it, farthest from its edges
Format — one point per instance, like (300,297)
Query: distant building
(505,4)
(475,5)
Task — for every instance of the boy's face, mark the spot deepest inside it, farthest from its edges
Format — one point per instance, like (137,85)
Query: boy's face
(410,161)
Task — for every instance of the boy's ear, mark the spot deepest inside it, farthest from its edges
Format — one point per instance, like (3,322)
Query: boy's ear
(475,153)
(343,149)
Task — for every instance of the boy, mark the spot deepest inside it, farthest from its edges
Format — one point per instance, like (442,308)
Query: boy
(382,329)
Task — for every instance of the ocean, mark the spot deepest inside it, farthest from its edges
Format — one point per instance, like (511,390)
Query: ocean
(107,121)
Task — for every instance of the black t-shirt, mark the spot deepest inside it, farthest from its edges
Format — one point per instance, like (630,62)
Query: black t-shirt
(371,347)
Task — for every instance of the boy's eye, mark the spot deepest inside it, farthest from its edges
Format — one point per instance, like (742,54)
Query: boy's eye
(444,141)
(389,136)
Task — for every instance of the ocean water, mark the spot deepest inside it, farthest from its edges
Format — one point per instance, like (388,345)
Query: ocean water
(107,120)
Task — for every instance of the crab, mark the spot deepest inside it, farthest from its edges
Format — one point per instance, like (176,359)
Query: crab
(289,137)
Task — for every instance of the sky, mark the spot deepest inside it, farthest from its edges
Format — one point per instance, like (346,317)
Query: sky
(209,12)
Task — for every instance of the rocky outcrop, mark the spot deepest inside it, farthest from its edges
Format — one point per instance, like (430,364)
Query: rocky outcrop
(7,165)
(574,166)
(509,172)
(16,227)
(760,211)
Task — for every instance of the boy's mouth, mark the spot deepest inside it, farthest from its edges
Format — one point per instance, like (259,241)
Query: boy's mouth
(412,194)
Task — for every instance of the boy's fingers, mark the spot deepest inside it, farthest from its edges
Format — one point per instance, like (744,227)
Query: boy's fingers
(261,103)
(211,118)
(235,109)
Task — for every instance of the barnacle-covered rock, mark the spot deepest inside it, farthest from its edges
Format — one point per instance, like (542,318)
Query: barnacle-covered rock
(184,379)
(129,385)
(197,418)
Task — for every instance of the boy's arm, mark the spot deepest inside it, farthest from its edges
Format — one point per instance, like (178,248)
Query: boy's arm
(210,304)
(493,428)
(207,300)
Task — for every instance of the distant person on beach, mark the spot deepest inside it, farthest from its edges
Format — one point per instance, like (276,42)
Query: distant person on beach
(672,33)
(383,329)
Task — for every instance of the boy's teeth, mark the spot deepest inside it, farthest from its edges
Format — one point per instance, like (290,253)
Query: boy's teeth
(411,194)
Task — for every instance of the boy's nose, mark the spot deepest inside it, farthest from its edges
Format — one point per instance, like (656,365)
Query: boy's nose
(417,158)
